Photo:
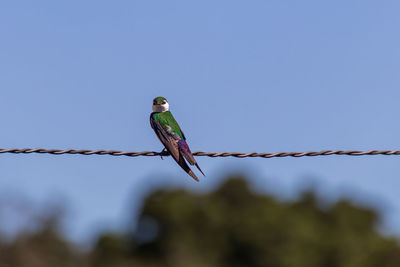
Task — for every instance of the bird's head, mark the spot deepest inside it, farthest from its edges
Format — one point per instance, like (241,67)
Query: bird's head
(160,104)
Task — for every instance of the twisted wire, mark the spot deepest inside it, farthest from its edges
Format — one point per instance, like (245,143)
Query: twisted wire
(200,153)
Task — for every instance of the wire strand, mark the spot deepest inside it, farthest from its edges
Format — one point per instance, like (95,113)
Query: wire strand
(201,153)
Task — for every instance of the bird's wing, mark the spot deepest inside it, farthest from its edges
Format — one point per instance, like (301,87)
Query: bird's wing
(165,138)
(185,151)
(182,145)
(170,141)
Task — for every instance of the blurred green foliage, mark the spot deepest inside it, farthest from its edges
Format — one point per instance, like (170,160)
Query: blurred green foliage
(232,226)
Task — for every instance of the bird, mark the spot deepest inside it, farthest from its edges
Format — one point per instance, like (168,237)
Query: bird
(171,135)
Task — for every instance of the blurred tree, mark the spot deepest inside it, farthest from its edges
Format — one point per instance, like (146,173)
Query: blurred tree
(231,226)
(41,248)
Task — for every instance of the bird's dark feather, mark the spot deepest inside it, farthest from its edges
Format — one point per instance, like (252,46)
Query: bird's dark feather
(171,143)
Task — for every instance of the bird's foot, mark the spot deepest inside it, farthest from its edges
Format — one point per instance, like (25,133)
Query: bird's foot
(162,152)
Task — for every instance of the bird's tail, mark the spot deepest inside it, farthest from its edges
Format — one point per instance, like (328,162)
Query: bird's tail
(185,151)
(191,173)
(197,165)
(181,161)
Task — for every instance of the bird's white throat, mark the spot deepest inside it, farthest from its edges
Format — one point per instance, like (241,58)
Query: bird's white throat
(161,108)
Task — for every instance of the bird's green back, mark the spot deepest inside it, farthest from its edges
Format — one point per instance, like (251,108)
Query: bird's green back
(166,119)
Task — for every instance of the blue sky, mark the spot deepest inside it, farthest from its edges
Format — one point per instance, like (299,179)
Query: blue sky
(261,76)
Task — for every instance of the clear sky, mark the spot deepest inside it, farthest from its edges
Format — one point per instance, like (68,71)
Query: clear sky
(263,76)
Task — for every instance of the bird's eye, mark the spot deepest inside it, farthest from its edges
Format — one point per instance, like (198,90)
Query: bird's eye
(164,102)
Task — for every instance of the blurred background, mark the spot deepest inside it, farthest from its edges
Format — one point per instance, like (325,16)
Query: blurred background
(264,76)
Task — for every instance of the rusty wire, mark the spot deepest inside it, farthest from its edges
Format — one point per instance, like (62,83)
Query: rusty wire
(200,153)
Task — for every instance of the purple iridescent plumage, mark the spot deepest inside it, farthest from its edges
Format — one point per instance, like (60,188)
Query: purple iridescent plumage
(173,142)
